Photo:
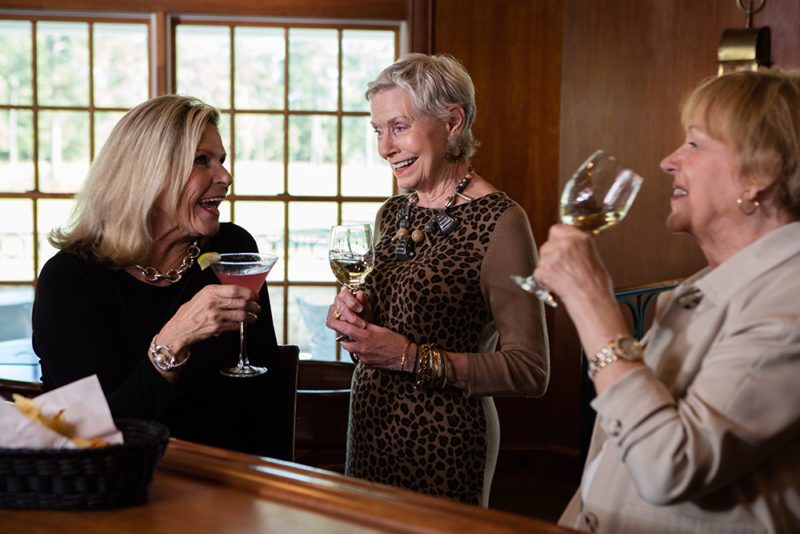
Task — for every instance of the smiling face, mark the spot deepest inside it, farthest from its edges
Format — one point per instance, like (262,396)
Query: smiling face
(198,207)
(707,183)
(412,143)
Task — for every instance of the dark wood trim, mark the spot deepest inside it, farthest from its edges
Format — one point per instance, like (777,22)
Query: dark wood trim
(422,19)
(341,9)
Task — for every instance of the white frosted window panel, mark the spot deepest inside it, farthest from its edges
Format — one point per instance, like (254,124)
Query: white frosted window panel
(313,69)
(309,232)
(62,60)
(203,57)
(365,53)
(260,59)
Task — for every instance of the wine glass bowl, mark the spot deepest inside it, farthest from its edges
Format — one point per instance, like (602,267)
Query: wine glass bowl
(250,270)
(599,194)
(595,198)
(352,256)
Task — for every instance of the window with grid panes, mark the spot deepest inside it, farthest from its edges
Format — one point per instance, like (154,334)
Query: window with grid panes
(302,152)
(64,82)
(295,125)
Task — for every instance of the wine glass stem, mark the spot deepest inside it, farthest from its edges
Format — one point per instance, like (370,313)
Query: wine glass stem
(244,361)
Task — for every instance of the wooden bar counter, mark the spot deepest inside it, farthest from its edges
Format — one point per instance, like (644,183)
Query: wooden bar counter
(204,489)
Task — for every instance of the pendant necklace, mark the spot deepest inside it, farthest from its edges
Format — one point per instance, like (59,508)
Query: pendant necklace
(441,223)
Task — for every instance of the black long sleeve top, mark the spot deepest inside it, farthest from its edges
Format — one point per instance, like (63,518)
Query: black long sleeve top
(91,318)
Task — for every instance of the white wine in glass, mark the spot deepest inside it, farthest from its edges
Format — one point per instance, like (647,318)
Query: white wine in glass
(352,256)
(595,198)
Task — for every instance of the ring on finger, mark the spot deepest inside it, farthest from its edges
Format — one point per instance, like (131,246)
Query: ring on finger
(337,314)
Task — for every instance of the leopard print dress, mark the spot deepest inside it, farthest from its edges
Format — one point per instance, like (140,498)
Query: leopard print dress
(442,442)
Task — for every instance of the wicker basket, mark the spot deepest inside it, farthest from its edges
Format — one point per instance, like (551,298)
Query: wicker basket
(87,479)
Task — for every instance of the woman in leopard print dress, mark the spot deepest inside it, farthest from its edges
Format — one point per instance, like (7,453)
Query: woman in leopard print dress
(440,327)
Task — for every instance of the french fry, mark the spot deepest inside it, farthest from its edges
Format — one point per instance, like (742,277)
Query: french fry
(56,423)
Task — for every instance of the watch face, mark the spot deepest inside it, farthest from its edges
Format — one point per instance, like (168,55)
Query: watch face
(629,349)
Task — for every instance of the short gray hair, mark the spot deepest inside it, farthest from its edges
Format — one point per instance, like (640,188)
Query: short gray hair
(434,82)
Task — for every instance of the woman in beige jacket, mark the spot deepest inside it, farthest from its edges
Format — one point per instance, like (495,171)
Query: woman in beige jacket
(698,428)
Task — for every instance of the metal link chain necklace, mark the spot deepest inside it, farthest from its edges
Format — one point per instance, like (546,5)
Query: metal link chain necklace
(151,274)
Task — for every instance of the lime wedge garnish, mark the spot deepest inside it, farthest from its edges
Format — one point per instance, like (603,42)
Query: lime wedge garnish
(207,258)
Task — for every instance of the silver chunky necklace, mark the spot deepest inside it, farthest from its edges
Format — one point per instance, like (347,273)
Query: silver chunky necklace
(152,274)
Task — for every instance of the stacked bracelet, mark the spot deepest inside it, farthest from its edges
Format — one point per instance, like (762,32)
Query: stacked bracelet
(164,358)
(431,368)
(404,356)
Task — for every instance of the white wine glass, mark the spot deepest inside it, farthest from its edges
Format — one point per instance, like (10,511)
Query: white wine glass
(595,198)
(352,256)
(248,270)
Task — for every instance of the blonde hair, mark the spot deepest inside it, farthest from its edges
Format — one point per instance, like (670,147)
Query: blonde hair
(758,115)
(150,151)
(434,82)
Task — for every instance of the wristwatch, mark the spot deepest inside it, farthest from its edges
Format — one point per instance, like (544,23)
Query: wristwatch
(622,347)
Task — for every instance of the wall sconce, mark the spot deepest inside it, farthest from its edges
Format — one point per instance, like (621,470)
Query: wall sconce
(744,48)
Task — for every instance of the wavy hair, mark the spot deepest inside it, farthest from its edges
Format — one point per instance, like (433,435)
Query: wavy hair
(434,82)
(758,114)
(150,152)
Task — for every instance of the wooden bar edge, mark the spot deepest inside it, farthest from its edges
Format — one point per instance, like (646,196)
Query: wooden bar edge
(365,503)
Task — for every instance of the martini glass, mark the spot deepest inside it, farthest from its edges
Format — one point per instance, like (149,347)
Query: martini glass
(250,270)
(595,198)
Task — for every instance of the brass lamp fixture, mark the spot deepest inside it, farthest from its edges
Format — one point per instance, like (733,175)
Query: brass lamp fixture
(745,48)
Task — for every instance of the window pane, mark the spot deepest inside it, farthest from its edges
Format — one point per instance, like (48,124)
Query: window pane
(308,307)
(63,150)
(16,303)
(259,154)
(260,57)
(313,69)
(17,359)
(364,172)
(309,227)
(52,214)
(364,55)
(16,239)
(120,64)
(224,128)
(276,303)
(62,55)
(16,63)
(360,212)
(104,122)
(203,63)
(264,220)
(312,155)
(16,150)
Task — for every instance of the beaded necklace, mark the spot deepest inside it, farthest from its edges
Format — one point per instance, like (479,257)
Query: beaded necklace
(441,222)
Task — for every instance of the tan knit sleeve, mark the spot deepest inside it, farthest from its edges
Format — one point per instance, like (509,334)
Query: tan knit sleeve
(518,362)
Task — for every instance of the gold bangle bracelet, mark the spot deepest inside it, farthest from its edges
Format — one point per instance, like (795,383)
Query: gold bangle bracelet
(404,356)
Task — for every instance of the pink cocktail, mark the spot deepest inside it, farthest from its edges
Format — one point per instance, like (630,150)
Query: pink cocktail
(250,281)
(250,270)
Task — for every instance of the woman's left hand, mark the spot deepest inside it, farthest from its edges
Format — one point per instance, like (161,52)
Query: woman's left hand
(375,346)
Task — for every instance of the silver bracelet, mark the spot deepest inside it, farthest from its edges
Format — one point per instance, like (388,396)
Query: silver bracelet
(164,362)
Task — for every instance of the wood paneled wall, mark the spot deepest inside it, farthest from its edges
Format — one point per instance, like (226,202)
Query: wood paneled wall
(615,71)
(512,50)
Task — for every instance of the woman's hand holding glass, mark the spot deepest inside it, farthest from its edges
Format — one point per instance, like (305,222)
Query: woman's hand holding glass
(595,198)
(213,310)
(375,345)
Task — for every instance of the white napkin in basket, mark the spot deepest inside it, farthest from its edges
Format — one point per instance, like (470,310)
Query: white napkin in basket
(85,411)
